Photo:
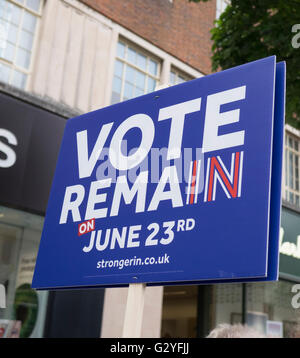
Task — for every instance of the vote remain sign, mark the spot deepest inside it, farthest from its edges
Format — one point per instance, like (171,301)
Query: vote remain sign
(181,185)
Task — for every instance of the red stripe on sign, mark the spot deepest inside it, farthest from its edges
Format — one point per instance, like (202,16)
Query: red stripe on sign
(211,178)
(86,226)
(193,182)
(215,165)
(236,173)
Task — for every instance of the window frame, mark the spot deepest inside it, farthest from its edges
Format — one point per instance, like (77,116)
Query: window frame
(149,56)
(12,64)
(178,74)
(288,191)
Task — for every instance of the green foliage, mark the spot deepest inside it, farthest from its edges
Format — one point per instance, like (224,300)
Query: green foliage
(250,30)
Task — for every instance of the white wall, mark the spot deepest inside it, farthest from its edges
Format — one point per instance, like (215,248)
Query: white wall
(72,56)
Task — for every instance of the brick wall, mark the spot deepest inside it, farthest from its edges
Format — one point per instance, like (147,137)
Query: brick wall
(178,27)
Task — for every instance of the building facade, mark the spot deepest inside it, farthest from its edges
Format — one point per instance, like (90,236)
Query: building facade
(60,58)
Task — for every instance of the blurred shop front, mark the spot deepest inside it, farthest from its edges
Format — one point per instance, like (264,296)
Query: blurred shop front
(31,130)
(193,311)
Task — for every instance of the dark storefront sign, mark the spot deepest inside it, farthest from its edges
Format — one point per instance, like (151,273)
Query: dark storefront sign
(31,130)
(29,143)
(290,244)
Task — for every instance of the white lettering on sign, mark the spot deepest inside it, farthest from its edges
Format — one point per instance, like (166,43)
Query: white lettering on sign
(177,114)
(167,187)
(10,154)
(139,189)
(169,175)
(72,206)
(214,119)
(87,164)
(146,126)
(154,235)
(95,198)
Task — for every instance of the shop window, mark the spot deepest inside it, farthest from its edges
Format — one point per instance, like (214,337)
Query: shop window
(135,73)
(179,317)
(270,310)
(268,307)
(177,77)
(227,303)
(18,28)
(292,153)
(25,310)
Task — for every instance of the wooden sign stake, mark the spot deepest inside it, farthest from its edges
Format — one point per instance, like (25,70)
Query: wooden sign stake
(134,311)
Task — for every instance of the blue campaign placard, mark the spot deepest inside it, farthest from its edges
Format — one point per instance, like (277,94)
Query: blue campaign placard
(176,186)
(276,181)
